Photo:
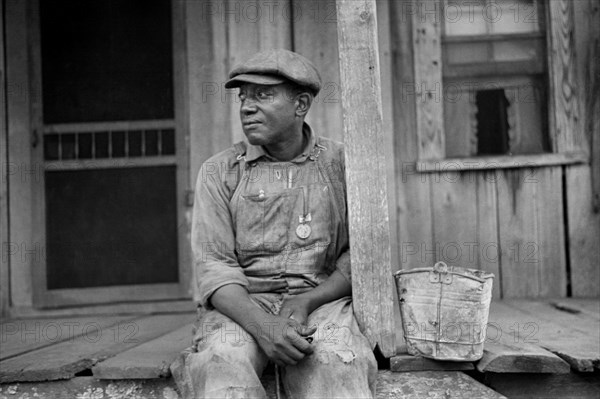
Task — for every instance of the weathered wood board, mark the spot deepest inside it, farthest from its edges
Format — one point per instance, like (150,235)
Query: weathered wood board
(487,248)
(405,362)
(151,359)
(543,386)
(90,387)
(389,385)
(580,347)
(582,181)
(25,335)
(431,384)
(413,199)
(584,306)
(66,359)
(531,232)
(545,310)
(454,202)
(317,20)
(427,50)
(505,356)
(366,169)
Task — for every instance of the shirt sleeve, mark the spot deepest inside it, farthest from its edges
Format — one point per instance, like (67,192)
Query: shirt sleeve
(343,265)
(338,177)
(213,236)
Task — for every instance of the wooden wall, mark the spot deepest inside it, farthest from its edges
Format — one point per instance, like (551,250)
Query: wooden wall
(535,228)
(583,182)
(4,264)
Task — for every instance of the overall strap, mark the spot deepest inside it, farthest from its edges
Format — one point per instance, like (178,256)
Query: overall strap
(240,151)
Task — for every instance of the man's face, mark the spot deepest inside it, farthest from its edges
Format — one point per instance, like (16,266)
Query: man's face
(268,113)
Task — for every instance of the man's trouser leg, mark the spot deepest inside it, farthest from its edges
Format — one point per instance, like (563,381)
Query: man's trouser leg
(228,362)
(342,365)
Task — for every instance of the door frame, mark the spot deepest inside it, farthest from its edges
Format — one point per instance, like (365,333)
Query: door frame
(28,218)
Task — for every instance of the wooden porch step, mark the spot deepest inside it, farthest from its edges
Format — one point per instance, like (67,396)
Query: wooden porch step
(544,386)
(505,356)
(66,359)
(414,385)
(431,384)
(404,362)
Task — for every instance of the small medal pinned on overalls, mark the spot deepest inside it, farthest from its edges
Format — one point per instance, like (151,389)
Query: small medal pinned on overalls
(303,230)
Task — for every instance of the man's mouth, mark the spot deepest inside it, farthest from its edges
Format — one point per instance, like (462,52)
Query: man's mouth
(250,123)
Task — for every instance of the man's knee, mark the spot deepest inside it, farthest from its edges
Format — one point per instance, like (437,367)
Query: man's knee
(226,339)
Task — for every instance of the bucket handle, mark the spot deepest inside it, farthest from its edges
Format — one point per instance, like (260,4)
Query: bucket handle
(440,274)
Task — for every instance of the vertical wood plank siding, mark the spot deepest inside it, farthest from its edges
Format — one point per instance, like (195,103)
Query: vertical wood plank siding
(427,49)
(582,182)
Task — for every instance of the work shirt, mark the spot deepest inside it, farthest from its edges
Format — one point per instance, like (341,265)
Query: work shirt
(270,226)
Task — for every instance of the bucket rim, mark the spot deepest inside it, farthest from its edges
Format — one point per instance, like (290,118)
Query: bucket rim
(481,276)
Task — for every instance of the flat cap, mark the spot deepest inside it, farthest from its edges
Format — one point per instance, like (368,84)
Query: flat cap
(273,67)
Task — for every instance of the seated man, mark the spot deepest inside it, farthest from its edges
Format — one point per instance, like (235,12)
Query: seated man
(270,243)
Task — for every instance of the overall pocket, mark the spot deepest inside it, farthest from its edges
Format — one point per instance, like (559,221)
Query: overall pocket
(263,221)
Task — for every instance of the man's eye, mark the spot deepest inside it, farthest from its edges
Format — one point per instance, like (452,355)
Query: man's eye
(263,95)
(242,96)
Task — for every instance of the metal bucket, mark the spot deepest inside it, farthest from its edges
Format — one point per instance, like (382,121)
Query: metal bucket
(444,311)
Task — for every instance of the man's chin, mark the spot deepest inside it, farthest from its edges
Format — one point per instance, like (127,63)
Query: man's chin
(255,138)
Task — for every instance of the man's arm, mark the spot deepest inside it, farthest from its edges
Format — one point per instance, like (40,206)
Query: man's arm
(281,338)
(300,306)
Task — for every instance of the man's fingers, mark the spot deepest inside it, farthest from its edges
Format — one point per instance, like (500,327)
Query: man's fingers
(286,312)
(308,330)
(299,341)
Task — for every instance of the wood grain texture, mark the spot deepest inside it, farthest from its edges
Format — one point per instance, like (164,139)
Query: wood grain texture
(19,148)
(413,199)
(531,232)
(428,78)
(564,99)
(573,342)
(542,386)
(315,37)
(454,202)
(586,306)
(505,356)
(545,310)
(503,162)
(26,335)
(38,199)
(4,238)
(583,231)
(151,359)
(150,307)
(583,182)
(207,67)
(250,28)
(488,247)
(431,384)
(366,180)
(90,387)
(66,359)
(405,362)
(182,137)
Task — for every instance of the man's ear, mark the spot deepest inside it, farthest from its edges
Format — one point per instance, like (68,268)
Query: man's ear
(303,102)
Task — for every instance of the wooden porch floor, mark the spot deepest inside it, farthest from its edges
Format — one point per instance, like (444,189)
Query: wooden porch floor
(545,348)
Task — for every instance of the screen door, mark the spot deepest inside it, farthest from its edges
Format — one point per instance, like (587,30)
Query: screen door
(114,161)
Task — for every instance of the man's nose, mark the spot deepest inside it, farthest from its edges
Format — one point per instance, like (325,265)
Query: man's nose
(248,106)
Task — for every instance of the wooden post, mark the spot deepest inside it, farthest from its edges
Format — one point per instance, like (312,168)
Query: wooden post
(372,281)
